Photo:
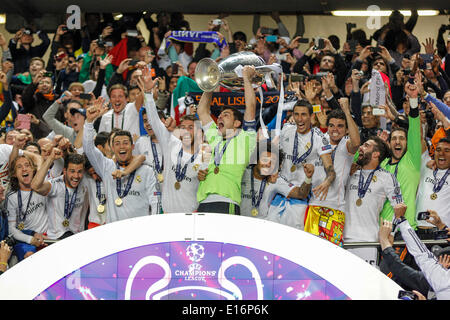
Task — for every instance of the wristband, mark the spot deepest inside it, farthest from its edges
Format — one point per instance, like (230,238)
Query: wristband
(308,180)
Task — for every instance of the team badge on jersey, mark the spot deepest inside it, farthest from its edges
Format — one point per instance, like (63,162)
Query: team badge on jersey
(138,178)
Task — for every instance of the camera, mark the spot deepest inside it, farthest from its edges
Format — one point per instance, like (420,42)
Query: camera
(407,295)
(406,72)
(48,75)
(10,241)
(440,234)
(297,77)
(217,22)
(101,43)
(424,215)
(375,49)
(350,25)
(303,40)
(267,31)
(319,44)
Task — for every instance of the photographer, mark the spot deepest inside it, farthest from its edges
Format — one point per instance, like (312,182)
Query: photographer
(405,276)
(22,50)
(436,274)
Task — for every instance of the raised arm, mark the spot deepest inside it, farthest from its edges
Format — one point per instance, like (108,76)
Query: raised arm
(204,108)
(353,130)
(39,184)
(95,156)
(146,85)
(250,98)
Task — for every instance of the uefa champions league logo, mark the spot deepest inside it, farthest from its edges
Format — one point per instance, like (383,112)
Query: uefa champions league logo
(195,252)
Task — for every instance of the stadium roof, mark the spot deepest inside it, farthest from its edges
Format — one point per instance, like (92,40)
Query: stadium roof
(38,7)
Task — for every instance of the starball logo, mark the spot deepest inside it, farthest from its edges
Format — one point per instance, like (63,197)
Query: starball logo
(195,252)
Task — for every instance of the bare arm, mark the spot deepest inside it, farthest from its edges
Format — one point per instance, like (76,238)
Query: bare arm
(204,108)
(303,191)
(250,98)
(353,130)
(321,190)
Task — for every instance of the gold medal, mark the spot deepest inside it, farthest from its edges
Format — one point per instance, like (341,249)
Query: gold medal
(433,196)
(21,226)
(118,202)
(195,166)
(100,208)
(254,212)
(216,170)
(65,223)
(307,145)
(160,177)
(374,178)
(293,168)
(177,185)
(359,202)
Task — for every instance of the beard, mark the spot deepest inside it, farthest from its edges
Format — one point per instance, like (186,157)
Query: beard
(365,159)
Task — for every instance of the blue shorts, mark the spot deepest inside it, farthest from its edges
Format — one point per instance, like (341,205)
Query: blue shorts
(22,247)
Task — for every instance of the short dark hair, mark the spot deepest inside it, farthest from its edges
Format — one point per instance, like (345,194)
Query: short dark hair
(74,158)
(239,35)
(398,129)
(101,138)
(123,133)
(238,115)
(381,146)
(444,140)
(337,114)
(32,143)
(304,103)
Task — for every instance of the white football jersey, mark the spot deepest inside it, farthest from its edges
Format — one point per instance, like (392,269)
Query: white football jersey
(342,164)
(362,222)
(36,218)
(56,203)
(424,200)
(142,195)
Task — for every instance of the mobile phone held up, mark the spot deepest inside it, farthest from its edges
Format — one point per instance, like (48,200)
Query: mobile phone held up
(424,215)
(319,43)
(407,295)
(271,38)
(378,112)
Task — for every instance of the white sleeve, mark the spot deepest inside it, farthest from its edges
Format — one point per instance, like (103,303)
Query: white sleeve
(437,276)
(99,162)
(161,132)
(152,192)
(16,233)
(57,169)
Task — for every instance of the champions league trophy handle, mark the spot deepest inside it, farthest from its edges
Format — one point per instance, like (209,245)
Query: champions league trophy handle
(228,73)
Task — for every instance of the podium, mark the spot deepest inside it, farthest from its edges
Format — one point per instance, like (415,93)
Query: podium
(203,256)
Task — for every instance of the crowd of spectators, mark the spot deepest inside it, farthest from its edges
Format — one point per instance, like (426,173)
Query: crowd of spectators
(97,133)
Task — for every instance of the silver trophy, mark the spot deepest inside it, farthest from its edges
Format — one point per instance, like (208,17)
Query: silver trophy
(209,74)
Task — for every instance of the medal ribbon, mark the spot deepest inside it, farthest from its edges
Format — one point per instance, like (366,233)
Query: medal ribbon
(362,187)
(22,216)
(255,203)
(158,167)
(112,120)
(98,193)
(295,159)
(218,156)
(438,186)
(181,173)
(68,207)
(120,193)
